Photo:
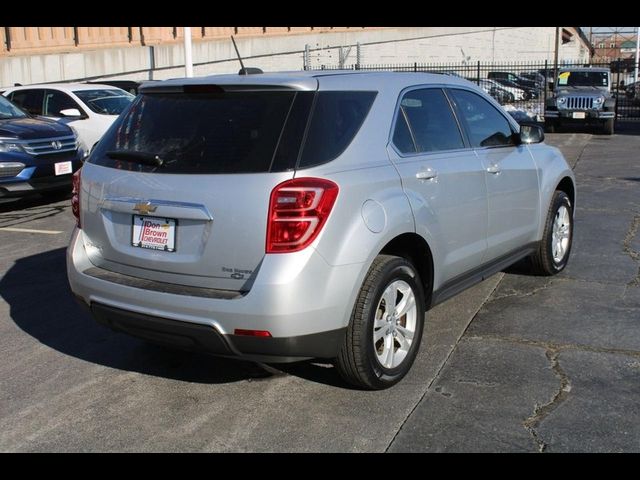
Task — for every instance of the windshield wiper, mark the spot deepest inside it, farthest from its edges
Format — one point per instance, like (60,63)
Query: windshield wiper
(136,157)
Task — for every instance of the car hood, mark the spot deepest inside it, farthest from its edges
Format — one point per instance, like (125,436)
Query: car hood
(29,128)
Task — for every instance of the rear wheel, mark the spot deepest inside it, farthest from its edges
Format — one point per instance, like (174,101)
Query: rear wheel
(386,325)
(553,252)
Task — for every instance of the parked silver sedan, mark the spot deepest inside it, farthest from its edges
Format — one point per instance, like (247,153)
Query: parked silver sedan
(281,217)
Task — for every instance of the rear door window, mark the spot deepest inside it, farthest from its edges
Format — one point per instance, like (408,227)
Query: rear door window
(432,126)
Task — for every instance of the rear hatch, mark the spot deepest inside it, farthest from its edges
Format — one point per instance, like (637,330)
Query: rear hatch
(178,189)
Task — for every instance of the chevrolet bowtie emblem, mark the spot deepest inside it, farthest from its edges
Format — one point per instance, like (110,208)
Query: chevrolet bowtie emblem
(144,208)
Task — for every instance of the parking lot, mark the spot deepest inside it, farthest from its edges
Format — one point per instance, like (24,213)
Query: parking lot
(517,363)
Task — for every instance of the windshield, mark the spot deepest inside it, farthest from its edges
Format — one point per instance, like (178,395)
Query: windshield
(9,110)
(106,102)
(583,79)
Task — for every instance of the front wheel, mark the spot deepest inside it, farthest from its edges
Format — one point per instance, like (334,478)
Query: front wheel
(551,126)
(553,252)
(385,329)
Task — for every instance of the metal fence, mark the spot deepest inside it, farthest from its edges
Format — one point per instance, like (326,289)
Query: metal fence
(523,87)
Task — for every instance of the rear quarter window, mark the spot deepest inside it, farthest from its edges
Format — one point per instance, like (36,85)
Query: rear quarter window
(337,117)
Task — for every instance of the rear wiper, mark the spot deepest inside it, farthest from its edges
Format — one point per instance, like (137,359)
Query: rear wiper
(136,157)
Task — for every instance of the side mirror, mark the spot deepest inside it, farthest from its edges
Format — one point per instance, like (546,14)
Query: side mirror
(530,133)
(71,112)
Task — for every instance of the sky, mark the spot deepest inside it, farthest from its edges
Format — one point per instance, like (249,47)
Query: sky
(621,30)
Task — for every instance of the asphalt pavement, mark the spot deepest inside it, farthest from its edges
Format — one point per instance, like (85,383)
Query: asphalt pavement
(517,363)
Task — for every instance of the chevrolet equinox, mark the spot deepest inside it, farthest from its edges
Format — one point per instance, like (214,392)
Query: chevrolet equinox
(286,216)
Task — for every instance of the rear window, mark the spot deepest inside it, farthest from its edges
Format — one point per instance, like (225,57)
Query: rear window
(233,132)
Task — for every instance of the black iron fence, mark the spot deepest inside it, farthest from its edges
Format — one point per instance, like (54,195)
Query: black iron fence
(524,87)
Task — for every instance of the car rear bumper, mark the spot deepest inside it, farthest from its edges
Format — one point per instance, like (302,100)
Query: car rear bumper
(204,338)
(302,301)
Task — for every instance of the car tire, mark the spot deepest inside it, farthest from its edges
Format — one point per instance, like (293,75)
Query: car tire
(377,351)
(551,126)
(555,247)
(608,126)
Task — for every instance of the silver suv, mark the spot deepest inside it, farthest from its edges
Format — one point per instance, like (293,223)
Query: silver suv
(281,217)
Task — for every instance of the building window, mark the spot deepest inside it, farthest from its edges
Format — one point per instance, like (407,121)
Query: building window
(601,45)
(612,45)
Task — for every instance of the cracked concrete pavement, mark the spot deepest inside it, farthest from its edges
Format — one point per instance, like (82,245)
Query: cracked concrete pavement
(552,364)
(517,363)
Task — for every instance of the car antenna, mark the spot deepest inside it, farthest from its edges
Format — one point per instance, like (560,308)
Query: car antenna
(242,71)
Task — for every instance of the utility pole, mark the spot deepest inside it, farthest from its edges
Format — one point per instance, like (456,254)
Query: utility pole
(555,57)
(188,59)
(635,74)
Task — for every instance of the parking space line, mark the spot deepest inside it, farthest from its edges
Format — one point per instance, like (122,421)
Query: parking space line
(29,230)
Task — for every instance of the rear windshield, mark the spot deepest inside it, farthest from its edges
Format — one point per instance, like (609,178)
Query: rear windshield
(233,132)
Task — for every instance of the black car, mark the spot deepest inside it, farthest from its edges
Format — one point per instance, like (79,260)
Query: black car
(529,92)
(36,155)
(516,80)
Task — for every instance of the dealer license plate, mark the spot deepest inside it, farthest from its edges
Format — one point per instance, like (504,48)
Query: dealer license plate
(157,233)
(579,115)
(62,168)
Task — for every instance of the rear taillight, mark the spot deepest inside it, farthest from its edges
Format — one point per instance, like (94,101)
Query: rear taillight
(75,196)
(298,210)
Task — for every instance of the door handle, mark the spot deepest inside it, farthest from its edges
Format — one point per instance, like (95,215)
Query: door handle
(428,174)
(493,168)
